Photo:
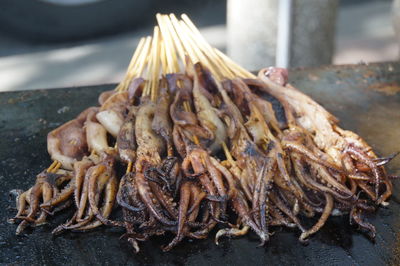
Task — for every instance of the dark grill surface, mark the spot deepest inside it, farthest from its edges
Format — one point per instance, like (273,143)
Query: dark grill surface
(366,99)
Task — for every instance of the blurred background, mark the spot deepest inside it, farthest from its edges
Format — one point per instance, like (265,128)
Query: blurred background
(65,43)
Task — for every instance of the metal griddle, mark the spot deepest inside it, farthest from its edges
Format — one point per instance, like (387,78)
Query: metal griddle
(366,99)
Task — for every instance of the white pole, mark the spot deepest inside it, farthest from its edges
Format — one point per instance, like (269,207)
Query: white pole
(251,26)
(284,33)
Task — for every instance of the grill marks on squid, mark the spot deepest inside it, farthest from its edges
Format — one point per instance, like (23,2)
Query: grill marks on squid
(238,155)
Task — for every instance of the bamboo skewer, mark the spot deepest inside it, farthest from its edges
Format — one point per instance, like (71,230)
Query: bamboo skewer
(174,39)
(205,46)
(123,85)
(136,54)
(129,167)
(143,59)
(148,63)
(156,64)
(163,57)
(54,167)
(133,64)
(199,53)
(182,39)
(137,68)
(187,41)
(170,52)
(233,66)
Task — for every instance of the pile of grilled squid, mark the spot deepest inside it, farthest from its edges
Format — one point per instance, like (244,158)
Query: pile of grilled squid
(206,147)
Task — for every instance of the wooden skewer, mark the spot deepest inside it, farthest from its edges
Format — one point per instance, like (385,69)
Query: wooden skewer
(129,167)
(206,47)
(131,67)
(167,49)
(156,64)
(174,39)
(147,85)
(52,165)
(147,62)
(220,59)
(233,66)
(189,43)
(58,165)
(181,38)
(205,60)
(144,56)
(211,61)
(170,52)
(205,55)
(228,155)
(163,57)
(133,63)
(137,52)
(169,28)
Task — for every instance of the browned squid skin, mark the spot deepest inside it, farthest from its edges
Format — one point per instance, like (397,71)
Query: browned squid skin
(135,90)
(80,169)
(377,172)
(356,216)
(127,196)
(184,201)
(103,180)
(133,210)
(146,195)
(357,159)
(72,188)
(162,124)
(130,235)
(126,141)
(273,154)
(164,180)
(92,176)
(104,96)
(39,199)
(118,101)
(247,168)
(293,140)
(167,176)
(134,194)
(278,213)
(191,197)
(254,217)
(150,148)
(336,142)
(182,93)
(187,120)
(67,143)
(85,218)
(329,205)
(197,164)
(319,166)
(84,214)
(193,166)
(205,103)
(276,198)
(277,165)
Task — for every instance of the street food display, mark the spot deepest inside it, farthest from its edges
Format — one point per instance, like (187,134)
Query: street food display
(208,148)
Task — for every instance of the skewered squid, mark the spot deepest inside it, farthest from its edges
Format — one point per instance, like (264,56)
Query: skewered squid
(206,145)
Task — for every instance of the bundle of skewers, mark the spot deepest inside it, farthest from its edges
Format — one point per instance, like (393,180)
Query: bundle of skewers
(207,147)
